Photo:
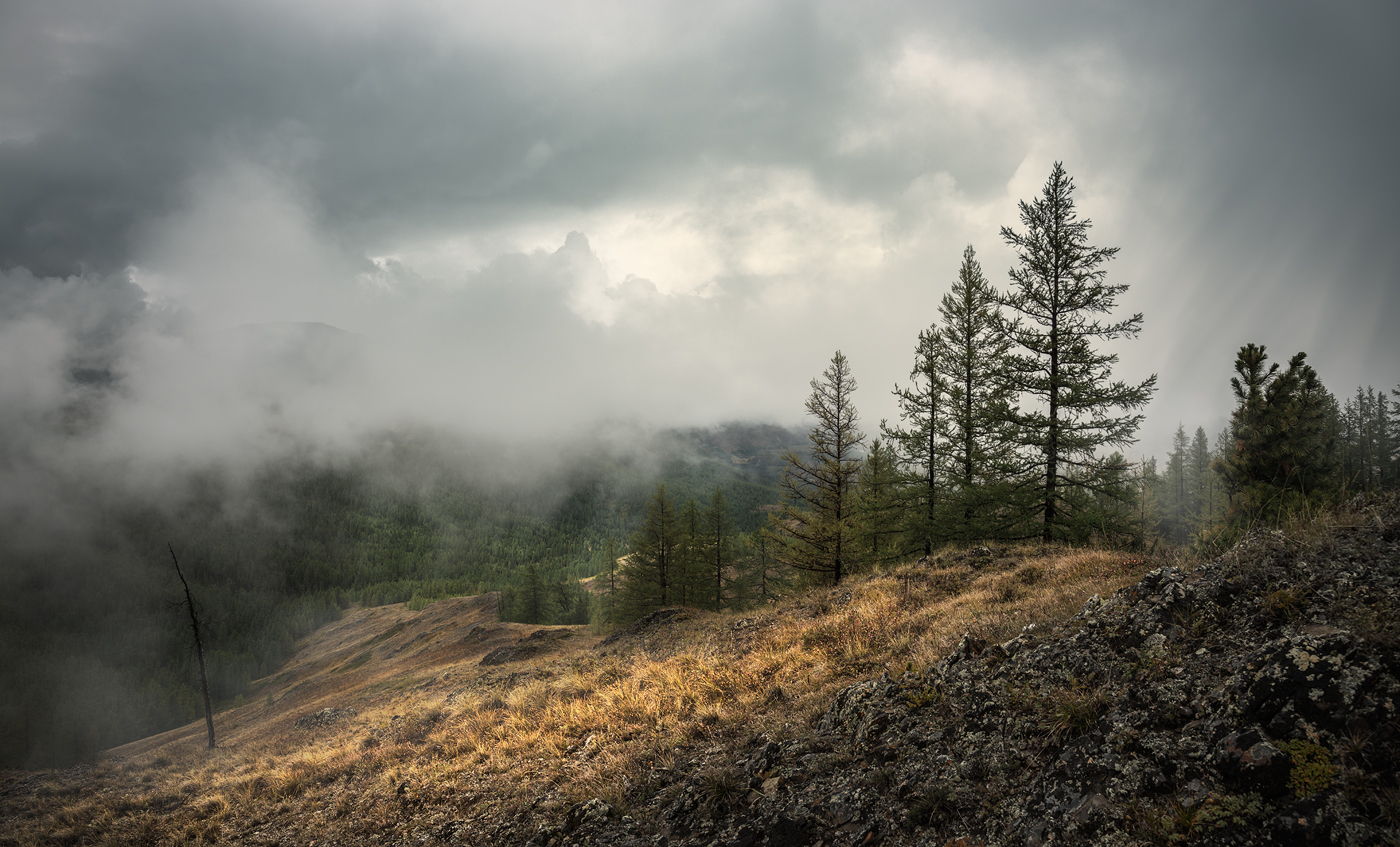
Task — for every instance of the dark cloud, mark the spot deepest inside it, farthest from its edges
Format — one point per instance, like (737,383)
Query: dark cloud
(759,184)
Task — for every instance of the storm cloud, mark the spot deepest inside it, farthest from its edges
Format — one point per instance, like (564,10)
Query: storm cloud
(530,220)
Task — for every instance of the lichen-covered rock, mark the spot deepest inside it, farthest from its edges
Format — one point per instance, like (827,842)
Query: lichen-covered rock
(324,718)
(1250,701)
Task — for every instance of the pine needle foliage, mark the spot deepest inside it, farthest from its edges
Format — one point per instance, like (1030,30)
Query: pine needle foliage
(650,570)
(1281,452)
(916,444)
(1058,291)
(981,461)
(815,528)
(879,524)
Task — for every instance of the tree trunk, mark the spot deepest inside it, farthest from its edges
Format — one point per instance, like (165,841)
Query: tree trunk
(198,648)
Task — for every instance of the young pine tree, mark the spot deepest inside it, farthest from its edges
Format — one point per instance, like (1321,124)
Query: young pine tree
(1057,293)
(650,568)
(878,523)
(916,445)
(982,462)
(1281,445)
(814,529)
(1178,520)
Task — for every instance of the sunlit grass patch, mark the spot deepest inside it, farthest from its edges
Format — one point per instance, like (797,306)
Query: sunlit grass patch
(580,724)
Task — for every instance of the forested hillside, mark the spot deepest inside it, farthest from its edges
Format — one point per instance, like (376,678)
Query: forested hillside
(97,651)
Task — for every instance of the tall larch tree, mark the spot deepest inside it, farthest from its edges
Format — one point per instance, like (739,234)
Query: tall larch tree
(814,529)
(1057,295)
(688,582)
(762,577)
(607,607)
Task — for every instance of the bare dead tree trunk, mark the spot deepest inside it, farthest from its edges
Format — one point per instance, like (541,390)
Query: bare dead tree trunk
(198,647)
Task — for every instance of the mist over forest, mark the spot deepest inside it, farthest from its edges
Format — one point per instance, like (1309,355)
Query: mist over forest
(96,642)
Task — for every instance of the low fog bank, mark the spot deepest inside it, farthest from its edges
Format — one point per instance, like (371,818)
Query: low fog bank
(94,645)
(291,465)
(114,386)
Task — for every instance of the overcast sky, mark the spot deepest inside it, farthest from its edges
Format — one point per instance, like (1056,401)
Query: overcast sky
(538,215)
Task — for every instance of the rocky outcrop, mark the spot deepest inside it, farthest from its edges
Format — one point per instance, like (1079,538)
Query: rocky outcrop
(538,643)
(1254,700)
(324,718)
(636,634)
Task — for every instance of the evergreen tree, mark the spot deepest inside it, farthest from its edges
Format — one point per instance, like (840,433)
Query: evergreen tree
(763,577)
(1177,518)
(813,531)
(718,550)
(1199,480)
(1219,494)
(1348,431)
(971,364)
(1366,441)
(1149,502)
(878,524)
(572,602)
(533,597)
(1115,493)
(1384,435)
(607,607)
(1282,448)
(1365,436)
(1392,442)
(688,581)
(650,567)
(1378,438)
(916,443)
(1057,290)
(1358,441)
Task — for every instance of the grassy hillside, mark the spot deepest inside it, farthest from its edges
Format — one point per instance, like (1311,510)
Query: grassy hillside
(388,723)
(94,647)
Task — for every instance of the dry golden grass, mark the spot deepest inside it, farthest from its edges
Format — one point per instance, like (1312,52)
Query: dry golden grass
(436,737)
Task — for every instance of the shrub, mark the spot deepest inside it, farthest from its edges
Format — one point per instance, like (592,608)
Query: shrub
(1312,771)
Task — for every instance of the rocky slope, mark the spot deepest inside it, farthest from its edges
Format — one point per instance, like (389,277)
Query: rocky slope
(1250,701)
